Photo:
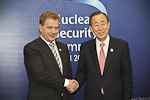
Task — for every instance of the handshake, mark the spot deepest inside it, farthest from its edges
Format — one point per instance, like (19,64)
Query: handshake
(73,86)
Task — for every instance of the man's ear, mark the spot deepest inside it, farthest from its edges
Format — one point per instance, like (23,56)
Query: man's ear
(109,25)
(40,28)
(91,28)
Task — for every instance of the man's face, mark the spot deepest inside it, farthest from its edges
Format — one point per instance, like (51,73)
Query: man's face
(50,29)
(100,26)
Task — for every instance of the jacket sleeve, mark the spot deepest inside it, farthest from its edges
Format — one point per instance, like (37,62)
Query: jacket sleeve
(127,73)
(81,71)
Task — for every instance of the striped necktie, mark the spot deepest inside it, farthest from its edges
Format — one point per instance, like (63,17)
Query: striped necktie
(55,53)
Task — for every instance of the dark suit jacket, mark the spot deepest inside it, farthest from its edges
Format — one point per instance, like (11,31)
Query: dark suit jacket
(45,79)
(117,77)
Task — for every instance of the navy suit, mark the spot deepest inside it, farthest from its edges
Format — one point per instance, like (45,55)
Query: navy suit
(117,78)
(45,79)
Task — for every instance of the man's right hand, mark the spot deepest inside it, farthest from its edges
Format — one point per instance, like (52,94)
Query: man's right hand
(73,86)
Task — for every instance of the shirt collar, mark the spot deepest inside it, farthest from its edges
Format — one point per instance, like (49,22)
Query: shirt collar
(47,41)
(106,42)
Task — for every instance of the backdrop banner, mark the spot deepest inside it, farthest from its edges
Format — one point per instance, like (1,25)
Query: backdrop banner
(19,22)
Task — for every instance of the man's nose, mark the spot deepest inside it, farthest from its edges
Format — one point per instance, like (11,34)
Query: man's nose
(53,30)
(100,27)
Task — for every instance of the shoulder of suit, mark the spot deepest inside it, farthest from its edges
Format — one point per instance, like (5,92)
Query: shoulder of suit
(88,42)
(60,44)
(117,40)
(33,42)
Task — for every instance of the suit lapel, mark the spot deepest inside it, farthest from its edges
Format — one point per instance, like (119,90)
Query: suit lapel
(110,54)
(45,48)
(94,57)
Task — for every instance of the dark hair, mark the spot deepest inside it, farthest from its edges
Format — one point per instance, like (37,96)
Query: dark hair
(47,15)
(97,13)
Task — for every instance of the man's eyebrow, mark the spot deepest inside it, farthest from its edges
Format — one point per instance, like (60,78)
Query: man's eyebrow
(95,22)
(102,21)
(52,26)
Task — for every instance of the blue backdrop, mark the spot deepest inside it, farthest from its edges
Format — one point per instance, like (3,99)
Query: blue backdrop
(19,21)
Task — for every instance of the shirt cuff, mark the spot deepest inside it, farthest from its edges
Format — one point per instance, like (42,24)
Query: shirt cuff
(66,84)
